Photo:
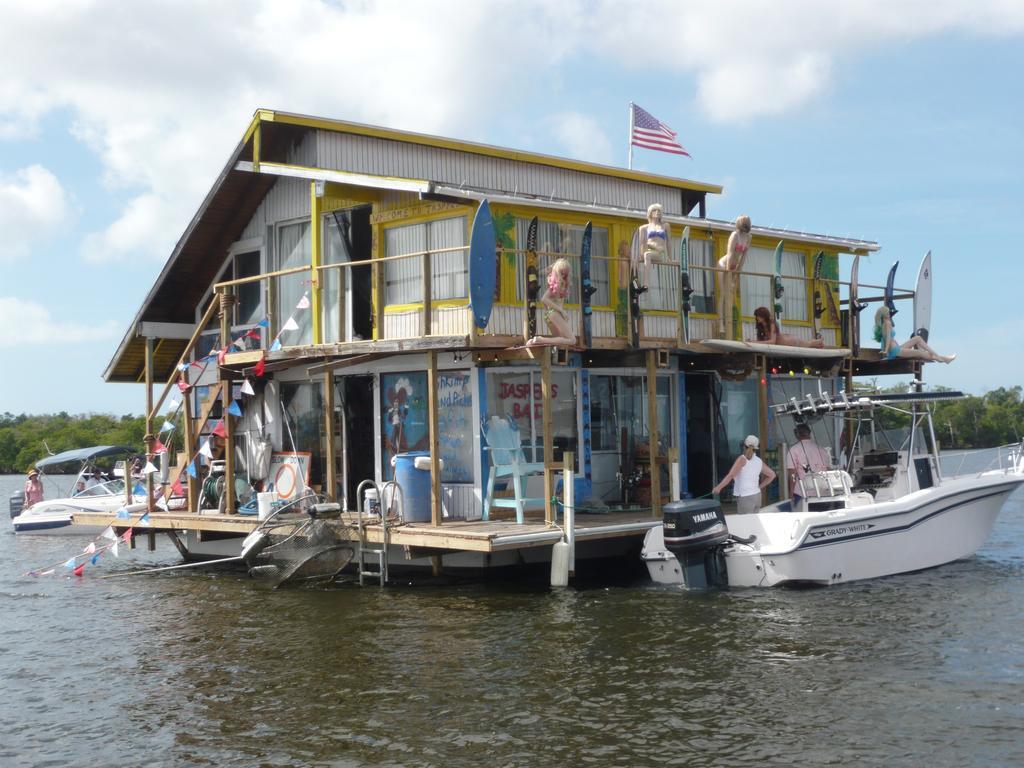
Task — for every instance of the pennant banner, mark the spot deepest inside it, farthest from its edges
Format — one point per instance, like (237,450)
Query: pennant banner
(290,324)
(235,409)
(247,388)
(303,302)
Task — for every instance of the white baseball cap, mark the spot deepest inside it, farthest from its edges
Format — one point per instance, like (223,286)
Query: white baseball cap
(752,442)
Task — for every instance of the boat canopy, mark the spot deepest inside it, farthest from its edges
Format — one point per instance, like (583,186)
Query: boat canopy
(83,454)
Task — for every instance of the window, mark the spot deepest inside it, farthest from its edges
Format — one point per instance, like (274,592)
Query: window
(756,291)
(449,273)
(618,411)
(567,239)
(303,407)
(249,309)
(518,396)
(702,280)
(293,250)
(337,231)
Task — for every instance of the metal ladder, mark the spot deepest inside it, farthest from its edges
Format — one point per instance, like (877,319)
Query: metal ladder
(366,554)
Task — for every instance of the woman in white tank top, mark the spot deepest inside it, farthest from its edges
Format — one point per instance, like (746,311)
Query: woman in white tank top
(749,476)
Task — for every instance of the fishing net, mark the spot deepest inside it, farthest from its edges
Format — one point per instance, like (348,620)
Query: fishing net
(302,542)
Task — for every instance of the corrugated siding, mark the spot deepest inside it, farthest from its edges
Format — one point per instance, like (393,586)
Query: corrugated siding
(459,502)
(385,157)
(660,327)
(451,321)
(287,199)
(403,325)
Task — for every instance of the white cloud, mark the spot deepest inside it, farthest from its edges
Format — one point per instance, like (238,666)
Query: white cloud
(161,92)
(582,136)
(24,323)
(33,207)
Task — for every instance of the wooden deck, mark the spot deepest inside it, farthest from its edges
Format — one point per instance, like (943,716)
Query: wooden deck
(451,536)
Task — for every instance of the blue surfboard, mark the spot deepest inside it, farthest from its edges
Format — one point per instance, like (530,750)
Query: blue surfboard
(483,265)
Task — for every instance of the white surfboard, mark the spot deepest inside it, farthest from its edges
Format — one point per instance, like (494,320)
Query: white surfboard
(773,350)
(923,298)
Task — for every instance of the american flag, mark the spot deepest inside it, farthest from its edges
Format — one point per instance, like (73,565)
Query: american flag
(651,133)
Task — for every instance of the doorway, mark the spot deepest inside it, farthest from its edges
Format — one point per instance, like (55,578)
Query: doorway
(348,314)
(358,461)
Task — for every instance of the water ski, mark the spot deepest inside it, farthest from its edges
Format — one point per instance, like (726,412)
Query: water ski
(687,288)
(856,306)
(819,307)
(778,291)
(634,310)
(532,279)
(586,288)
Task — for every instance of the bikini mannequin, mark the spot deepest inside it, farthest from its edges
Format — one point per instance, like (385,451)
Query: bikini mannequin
(913,348)
(650,243)
(735,254)
(554,314)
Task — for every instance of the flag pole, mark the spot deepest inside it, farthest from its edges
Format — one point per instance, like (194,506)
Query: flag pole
(629,136)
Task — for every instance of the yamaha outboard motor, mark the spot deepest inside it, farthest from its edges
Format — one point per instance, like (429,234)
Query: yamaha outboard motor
(17,502)
(695,532)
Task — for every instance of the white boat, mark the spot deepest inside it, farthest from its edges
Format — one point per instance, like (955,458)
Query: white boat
(53,516)
(887,510)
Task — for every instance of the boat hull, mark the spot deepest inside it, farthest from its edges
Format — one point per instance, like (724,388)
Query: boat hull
(919,531)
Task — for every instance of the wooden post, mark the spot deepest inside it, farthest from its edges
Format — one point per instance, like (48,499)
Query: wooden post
(652,429)
(226,304)
(149,428)
(673,474)
(569,506)
(427,305)
(435,446)
(549,446)
(189,440)
(316,207)
(331,476)
(762,412)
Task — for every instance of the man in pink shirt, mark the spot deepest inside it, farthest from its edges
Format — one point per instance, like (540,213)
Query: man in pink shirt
(33,488)
(804,456)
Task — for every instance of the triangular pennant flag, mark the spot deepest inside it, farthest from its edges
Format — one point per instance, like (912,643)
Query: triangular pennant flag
(264,323)
(150,469)
(126,537)
(220,430)
(70,563)
(123,513)
(221,354)
(273,348)
(303,302)
(235,409)
(108,533)
(162,504)
(90,548)
(140,489)
(177,489)
(260,367)
(113,549)
(191,469)
(247,388)
(183,366)
(252,334)
(239,342)
(206,451)
(144,520)
(95,558)
(183,385)
(290,324)
(166,427)
(79,570)
(173,406)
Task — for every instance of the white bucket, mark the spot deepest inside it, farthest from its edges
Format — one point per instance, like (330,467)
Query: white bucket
(371,504)
(265,504)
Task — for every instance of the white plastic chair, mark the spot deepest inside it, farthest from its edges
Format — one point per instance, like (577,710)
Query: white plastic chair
(508,460)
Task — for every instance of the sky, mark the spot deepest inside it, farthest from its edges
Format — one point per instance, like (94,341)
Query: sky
(899,121)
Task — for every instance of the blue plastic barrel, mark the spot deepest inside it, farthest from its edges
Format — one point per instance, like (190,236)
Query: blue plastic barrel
(415,486)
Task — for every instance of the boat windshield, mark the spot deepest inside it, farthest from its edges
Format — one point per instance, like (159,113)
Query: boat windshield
(109,488)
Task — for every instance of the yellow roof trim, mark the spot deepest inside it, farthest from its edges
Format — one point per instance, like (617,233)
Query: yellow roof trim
(327,124)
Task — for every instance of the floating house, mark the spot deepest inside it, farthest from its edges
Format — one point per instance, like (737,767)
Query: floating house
(316,320)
